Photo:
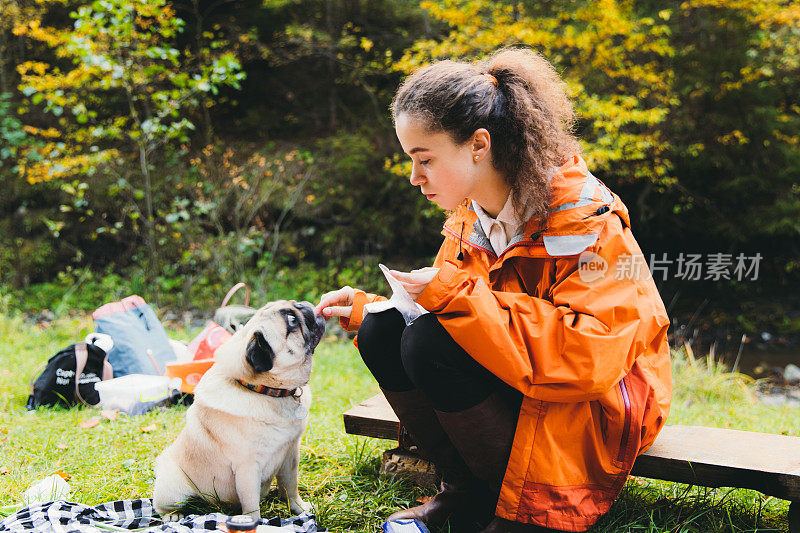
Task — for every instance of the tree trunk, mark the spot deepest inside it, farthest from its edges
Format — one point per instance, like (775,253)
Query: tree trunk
(332,97)
(149,218)
(3,78)
(208,130)
(645,214)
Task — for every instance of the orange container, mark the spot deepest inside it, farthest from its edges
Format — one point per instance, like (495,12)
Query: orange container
(207,341)
(190,372)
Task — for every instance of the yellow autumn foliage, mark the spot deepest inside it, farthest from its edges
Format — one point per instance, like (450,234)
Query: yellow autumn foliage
(615,64)
(47,162)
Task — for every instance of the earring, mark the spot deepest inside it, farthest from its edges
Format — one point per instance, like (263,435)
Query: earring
(476,158)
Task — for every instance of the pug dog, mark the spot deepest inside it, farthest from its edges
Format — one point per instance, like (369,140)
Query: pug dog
(249,412)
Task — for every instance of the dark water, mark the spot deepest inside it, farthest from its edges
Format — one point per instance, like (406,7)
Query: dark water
(761,355)
(760,361)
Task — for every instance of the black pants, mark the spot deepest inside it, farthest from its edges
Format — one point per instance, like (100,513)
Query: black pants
(423,356)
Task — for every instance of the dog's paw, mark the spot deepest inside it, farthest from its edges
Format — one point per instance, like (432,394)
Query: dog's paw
(298,506)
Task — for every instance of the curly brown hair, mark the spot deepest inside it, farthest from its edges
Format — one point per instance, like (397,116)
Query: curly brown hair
(526,111)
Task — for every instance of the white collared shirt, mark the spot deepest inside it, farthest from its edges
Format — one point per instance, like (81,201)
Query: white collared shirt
(500,230)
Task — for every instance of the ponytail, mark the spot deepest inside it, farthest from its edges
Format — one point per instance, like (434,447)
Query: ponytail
(518,97)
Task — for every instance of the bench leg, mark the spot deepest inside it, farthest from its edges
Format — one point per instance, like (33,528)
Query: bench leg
(398,461)
(794,517)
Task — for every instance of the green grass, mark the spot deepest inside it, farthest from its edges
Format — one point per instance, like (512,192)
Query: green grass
(339,472)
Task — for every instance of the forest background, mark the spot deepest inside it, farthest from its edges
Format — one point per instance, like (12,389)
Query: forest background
(174,148)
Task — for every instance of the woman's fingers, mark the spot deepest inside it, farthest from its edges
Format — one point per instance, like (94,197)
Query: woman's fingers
(399,275)
(416,281)
(337,310)
(408,286)
(404,277)
(340,297)
(422,275)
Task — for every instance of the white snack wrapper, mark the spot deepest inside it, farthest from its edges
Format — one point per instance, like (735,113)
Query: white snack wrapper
(101,340)
(48,489)
(400,300)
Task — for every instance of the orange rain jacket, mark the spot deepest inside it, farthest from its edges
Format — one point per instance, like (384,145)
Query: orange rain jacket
(570,316)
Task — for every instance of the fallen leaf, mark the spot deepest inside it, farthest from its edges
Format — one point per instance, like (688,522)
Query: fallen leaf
(90,423)
(62,446)
(63,475)
(110,415)
(4,470)
(423,499)
(148,429)
(4,431)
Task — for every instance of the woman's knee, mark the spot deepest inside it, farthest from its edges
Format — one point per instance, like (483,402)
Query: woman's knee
(440,368)
(379,346)
(420,348)
(377,332)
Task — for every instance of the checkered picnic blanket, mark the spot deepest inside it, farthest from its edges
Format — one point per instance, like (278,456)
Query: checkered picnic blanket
(61,516)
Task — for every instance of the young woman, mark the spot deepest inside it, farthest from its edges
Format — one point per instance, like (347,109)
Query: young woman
(542,369)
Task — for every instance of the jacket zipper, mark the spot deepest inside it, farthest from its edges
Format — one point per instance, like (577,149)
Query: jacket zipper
(454,234)
(623,446)
(516,244)
(522,243)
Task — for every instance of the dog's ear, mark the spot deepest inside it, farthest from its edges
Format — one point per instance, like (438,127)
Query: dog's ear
(259,353)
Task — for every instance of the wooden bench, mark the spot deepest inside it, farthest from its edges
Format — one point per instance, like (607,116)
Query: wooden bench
(709,457)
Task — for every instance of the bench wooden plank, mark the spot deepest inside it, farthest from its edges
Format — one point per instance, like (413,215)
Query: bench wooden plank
(714,457)
(710,457)
(372,418)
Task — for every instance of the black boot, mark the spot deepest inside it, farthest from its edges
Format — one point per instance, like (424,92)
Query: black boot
(459,491)
(483,435)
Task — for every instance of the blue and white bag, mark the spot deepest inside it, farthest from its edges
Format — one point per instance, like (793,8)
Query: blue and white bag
(141,345)
(404,526)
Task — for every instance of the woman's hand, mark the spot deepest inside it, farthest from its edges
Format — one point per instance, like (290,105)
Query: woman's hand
(415,281)
(336,303)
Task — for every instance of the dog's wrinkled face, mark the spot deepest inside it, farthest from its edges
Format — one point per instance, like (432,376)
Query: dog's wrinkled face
(281,338)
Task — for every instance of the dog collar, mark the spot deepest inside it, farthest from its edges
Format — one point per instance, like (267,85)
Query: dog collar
(268,391)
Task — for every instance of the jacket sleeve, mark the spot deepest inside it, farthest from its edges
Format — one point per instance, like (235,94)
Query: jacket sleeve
(573,346)
(360,299)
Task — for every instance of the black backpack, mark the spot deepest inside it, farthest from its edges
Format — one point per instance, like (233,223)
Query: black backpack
(56,385)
